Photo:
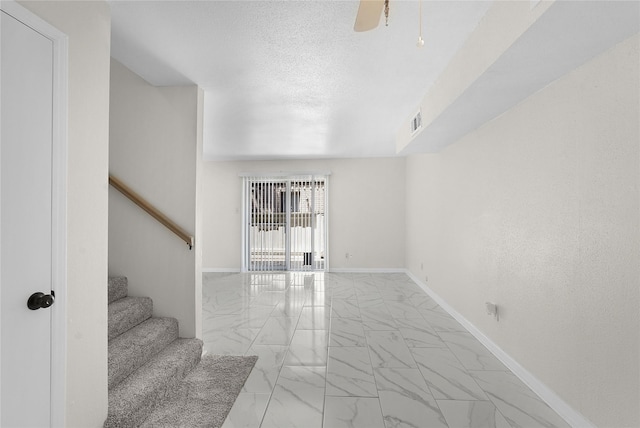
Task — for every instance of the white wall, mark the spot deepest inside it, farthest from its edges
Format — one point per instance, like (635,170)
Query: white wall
(500,27)
(366,210)
(88,26)
(538,211)
(154,150)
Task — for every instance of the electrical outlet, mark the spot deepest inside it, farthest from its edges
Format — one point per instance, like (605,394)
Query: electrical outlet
(347,256)
(421,266)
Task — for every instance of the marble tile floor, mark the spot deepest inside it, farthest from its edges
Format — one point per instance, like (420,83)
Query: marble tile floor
(357,350)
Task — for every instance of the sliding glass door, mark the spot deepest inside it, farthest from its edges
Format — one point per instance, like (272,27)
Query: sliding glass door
(285,223)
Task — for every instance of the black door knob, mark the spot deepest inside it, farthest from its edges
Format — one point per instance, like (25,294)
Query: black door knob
(40,300)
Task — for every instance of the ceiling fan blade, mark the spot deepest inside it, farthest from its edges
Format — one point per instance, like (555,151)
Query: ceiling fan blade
(368,16)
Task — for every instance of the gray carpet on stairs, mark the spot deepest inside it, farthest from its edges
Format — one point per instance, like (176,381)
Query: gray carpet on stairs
(133,400)
(117,288)
(133,348)
(205,396)
(127,313)
(156,379)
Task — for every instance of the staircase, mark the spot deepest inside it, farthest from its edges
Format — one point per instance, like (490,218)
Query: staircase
(147,360)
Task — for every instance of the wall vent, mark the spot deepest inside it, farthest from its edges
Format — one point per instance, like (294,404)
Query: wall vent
(416,122)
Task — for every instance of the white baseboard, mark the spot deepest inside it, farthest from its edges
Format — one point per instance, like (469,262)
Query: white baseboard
(367,270)
(223,270)
(573,417)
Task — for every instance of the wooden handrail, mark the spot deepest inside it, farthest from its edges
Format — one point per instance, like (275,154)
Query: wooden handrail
(153,211)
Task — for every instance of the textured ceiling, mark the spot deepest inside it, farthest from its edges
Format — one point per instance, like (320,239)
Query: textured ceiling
(291,79)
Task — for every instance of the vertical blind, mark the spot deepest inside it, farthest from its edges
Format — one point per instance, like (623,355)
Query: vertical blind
(285,222)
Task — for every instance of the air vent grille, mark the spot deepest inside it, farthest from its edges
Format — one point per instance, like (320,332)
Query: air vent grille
(416,122)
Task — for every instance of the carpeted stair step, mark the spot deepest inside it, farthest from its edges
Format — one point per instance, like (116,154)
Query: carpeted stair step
(205,395)
(133,348)
(118,288)
(127,313)
(131,401)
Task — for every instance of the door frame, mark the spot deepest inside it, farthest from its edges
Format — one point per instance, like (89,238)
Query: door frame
(286,177)
(58,201)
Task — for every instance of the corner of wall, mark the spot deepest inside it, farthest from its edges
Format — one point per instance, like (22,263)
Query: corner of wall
(199,215)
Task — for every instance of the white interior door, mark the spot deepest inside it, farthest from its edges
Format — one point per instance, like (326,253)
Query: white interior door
(26,223)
